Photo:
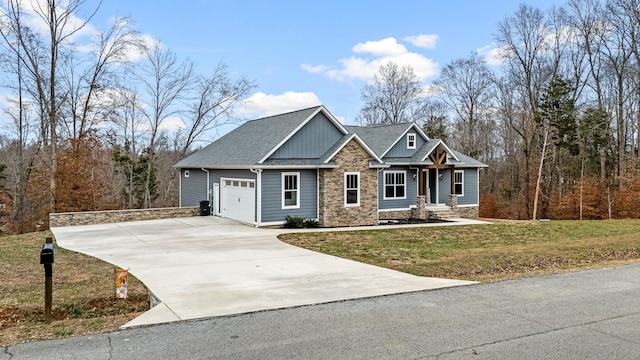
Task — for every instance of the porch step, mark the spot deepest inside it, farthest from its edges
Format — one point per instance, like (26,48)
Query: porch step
(441,214)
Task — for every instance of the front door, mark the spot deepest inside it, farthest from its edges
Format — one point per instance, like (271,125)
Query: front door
(432,186)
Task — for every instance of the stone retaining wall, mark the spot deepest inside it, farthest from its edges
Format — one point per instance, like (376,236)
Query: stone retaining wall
(470,212)
(114,216)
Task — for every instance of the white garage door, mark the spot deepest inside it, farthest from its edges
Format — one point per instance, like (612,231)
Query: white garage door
(238,199)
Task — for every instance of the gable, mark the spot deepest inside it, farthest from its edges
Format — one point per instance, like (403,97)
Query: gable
(437,152)
(400,148)
(311,141)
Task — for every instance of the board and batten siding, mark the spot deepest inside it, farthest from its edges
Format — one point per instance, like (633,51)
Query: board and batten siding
(313,140)
(272,210)
(411,190)
(400,148)
(470,196)
(193,189)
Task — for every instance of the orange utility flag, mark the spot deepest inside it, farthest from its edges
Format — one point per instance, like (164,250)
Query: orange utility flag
(122,279)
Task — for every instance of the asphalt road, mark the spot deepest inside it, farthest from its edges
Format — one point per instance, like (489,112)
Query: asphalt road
(586,315)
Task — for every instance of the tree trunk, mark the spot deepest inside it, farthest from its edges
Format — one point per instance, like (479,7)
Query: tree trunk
(544,149)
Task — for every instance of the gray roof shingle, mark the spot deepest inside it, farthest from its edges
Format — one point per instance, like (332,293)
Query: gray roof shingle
(380,137)
(252,141)
(249,143)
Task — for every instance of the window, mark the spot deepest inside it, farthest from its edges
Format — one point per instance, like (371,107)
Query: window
(458,182)
(352,189)
(411,141)
(290,190)
(394,185)
(186,173)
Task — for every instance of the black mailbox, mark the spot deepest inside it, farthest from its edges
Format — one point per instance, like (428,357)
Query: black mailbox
(46,254)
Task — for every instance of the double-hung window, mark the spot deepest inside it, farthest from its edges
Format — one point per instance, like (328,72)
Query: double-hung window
(458,182)
(395,185)
(411,141)
(352,189)
(290,190)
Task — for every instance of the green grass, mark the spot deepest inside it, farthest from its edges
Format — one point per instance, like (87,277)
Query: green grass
(485,252)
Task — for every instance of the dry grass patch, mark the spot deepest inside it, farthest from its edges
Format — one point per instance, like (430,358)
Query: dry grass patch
(83,293)
(507,250)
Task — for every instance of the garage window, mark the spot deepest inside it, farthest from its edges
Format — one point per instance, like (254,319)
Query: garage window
(290,190)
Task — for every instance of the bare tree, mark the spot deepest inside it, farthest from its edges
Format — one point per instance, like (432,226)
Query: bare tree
(90,87)
(466,86)
(40,59)
(216,98)
(524,36)
(393,96)
(165,83)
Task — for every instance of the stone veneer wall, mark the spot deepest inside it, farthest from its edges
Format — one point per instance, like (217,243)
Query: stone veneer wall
(352,158)
(467,212)
(395,215)
(114,216)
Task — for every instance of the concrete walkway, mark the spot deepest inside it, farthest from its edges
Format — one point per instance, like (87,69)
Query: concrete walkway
(207,266)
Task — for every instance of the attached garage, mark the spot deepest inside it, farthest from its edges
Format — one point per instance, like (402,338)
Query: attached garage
(238,199)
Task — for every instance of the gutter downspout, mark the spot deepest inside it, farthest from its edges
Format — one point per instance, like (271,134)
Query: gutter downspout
(258,173)
(208,190)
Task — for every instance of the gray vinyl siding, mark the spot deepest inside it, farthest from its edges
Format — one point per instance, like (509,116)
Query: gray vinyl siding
(311,141)
(400,148)
(470,196)
(193,189)
(470,188)
(272,195)
(411,190)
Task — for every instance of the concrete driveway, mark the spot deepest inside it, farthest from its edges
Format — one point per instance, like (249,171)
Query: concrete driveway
(207,266)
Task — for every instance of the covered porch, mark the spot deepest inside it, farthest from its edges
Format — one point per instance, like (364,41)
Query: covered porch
(436,185)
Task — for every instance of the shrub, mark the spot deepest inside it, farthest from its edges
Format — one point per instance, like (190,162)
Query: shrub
(311,223)
(293,222)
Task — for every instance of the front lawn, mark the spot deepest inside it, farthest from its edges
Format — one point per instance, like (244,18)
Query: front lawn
(83,293)
(506,250)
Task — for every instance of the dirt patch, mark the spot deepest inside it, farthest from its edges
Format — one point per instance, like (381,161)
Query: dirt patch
(83,293)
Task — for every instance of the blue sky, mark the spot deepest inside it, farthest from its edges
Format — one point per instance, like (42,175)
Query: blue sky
(303,53)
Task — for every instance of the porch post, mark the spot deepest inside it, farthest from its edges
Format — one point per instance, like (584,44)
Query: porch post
(421,208)
(453,198)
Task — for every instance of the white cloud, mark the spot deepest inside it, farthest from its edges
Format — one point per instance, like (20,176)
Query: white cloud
(172,124)
(384,47)
(134,53)
(371,56)
(427,41)
(493,54)
(261,104)
(314,69)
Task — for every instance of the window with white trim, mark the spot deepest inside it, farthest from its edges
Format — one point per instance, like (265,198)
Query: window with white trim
(352,189)
(290,190)
(411,141)
(395,185)
(458,182)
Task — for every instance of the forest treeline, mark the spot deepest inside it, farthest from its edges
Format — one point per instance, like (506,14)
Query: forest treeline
(553,109)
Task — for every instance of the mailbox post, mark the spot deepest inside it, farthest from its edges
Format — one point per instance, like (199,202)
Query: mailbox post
(46,259)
